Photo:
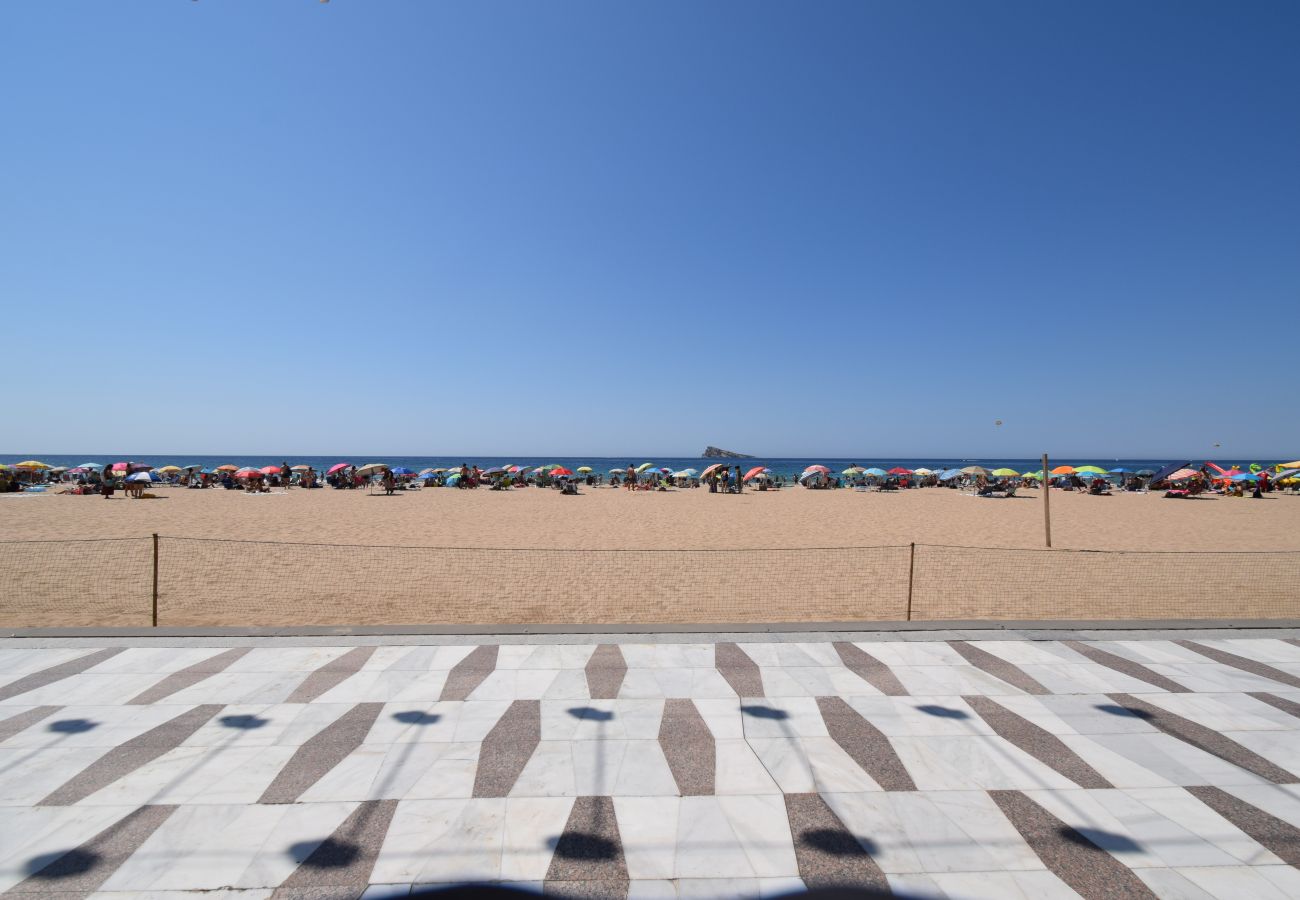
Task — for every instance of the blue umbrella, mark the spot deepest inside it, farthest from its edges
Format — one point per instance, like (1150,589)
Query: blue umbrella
(91,466)
(1121,471)
(949,474)
(878,473)
(1246,476)
(402,470)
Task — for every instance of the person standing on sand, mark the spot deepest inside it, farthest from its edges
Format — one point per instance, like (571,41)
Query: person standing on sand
(285,474)
(107,479)
(629,483)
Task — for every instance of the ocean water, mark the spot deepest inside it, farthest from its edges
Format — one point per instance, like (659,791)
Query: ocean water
(787,467)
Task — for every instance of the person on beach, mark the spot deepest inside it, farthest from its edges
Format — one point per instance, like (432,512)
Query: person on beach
(464,476)
(107,479)
(629,481)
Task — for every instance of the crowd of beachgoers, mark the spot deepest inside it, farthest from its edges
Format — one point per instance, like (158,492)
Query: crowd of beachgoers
(135,479)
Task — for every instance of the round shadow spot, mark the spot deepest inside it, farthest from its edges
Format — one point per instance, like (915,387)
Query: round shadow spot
(416,717)
(836,843)
(242,721)
(943,712)
(1116,710)
(1095,839)
(587,712)
(577,845)
(61,864)
(764,712)
(72,726)
(329,854)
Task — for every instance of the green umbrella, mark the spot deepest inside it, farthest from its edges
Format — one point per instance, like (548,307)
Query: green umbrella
(1005,473)
(1093,469)
(644,466)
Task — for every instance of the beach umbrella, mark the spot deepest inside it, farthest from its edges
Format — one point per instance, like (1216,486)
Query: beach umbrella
(430,471)
(371,468)
(248,472)
(142,476)
(1120,470)
(208,472)
(1179,475)
(226,468)
(584,469)
(974,470)
(514,470)
(1245,476)
(1063,470)
(193,467)
(1294,464)
(1093,469)
(1145,473)
(402,470)
(822,469)
(270,470)
(90,465)
(334,468)
(59,469)
(168,469)
(875,472)
(644,466)
(301,467)
(495,470)
(1287,473)
(708,469)
(899,470)
(1037,476)
(561,471)
(1006,473)
(853,470)
(453,480)
(31,464)
(1163,472)
(689,471)
(922,471)
(757,470)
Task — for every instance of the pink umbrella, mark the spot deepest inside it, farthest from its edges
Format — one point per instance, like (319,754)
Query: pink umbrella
(822,469)
(270,470)
(334,469)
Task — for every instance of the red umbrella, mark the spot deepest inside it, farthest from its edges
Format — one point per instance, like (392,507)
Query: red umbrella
(334,469)
(899,470)
(560,471)
(270,470)
(757,470)
(248,473)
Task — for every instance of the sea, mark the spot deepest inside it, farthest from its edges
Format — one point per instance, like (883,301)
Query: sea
(783,466)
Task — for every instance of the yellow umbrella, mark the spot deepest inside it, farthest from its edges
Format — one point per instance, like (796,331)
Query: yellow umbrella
(584,468)
(31,464)
(168,469)
(1005,473)
(1294,464)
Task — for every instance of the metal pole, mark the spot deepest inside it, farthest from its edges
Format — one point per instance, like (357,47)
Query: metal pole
(155,579)
(1047,492)
(911,568)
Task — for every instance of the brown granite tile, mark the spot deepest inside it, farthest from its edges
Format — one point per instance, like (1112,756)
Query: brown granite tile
(605,672)
(331,674)
(1264,828)
(80,871)
(1282,703)
(1091,871)
(24,720)
(869,669)
(998,667)
(1206,739)
(507,748)
(868,745)
(1245,663)
(689,747)
(190,675)
(1126,666)
(588,860)
(741,672)
(827,853)
(321,753)
(57,673)
(343,862)
(126,757)
(1037,741)
(470,672)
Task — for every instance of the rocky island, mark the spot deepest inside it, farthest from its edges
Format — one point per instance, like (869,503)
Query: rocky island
(715,453)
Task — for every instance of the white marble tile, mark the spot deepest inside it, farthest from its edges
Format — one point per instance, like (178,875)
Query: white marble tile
(1265,650)
(1280,747)
(1176,760)
(32,836)
(439,841)
(965,763)
(785,717)
(515,684)
(1237,882)
(280,658)
(1003,886)
(532,827)
(920,716)
(1084,678)
(1225,712)
(913,653)
(28,775)
(1178,806)
(477,717)
(651,890)
(293,836)
(647,827)
(450,775)
(738,770)
(951,680)
(1169,884)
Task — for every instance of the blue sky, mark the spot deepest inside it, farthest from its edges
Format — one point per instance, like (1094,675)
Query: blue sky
(838,228)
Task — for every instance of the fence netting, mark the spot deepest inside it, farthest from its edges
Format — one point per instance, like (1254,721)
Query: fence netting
(255,583)
(70,583)
(982,583)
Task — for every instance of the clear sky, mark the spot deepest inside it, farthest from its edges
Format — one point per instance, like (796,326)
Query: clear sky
(840,228)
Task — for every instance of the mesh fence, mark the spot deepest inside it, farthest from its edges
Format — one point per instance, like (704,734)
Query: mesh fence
(68,583)
(982,583)
(249,583)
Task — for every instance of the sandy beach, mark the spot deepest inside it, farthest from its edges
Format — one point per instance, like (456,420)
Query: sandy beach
(213,581)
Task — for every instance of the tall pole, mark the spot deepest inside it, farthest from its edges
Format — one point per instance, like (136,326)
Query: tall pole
(155,580)
(1047,493)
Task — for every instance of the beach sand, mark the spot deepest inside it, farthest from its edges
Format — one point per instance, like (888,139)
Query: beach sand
(215,581)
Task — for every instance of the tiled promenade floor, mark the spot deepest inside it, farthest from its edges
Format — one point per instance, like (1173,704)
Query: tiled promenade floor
(1012,768)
